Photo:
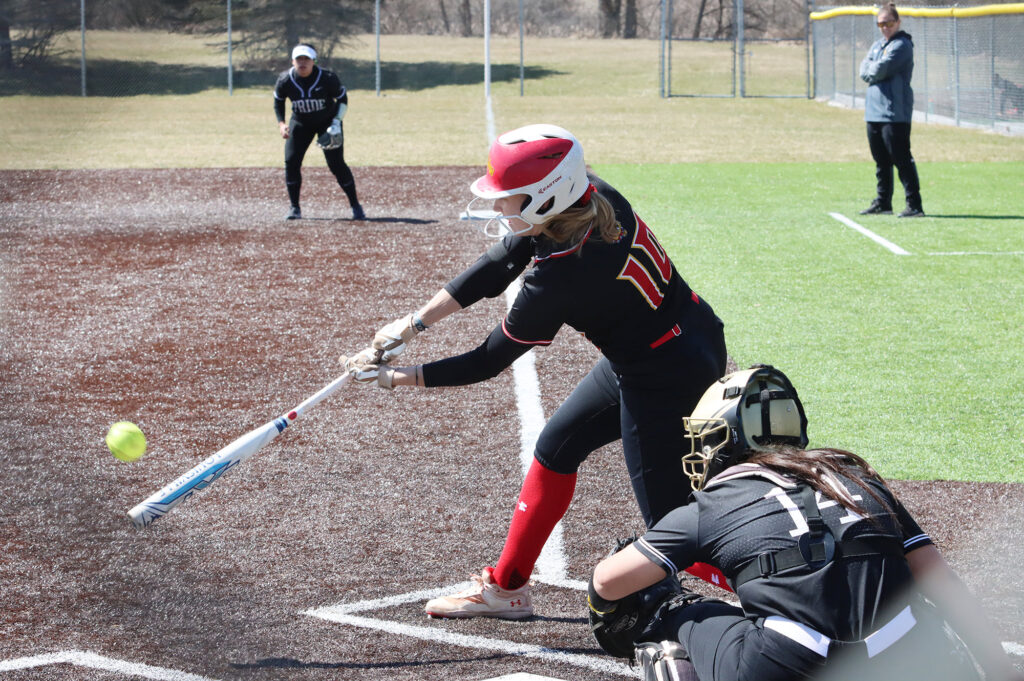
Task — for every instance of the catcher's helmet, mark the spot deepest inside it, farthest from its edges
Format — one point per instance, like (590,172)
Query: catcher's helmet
(542,161)
(742,411)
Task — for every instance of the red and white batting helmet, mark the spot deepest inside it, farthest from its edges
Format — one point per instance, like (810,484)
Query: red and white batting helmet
(542,161)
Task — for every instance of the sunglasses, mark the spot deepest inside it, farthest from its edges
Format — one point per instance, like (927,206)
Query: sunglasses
(886,24)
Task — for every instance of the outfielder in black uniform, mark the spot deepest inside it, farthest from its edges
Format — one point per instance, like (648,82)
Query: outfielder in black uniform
(319,103)
(596,267)
(830,569)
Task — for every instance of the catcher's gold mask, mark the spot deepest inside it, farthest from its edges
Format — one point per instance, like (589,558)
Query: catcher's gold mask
(742,411)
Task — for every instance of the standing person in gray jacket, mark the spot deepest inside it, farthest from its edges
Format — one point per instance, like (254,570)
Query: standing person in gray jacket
(888,109)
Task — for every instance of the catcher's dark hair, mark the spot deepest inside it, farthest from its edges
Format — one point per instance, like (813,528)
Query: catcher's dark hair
(812,465)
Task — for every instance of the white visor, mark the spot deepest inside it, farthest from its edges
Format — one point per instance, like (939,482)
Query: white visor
(304,51)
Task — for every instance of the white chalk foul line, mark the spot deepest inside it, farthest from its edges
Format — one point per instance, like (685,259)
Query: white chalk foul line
(869,234)
(440,635)
(94,661)
(983,253)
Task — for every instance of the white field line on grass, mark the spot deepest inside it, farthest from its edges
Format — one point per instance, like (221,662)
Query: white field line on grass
(975,253)
(93,661)
(899,251)
(869,234)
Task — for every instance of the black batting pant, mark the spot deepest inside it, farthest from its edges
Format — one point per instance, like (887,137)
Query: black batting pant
(295,147)
(644,405)
(890,146)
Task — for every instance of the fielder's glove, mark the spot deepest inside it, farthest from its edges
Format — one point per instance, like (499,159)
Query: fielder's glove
(395,336)
(369,366)
(332,138)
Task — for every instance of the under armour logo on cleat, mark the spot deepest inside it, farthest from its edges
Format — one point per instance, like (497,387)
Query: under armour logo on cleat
(522,506)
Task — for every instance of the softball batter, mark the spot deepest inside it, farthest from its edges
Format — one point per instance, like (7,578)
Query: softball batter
(319,103)
(596,267)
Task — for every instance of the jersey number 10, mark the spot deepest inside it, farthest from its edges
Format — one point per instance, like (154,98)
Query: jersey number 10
(646,277)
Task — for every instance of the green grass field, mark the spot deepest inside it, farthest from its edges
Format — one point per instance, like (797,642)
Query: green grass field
(915,361)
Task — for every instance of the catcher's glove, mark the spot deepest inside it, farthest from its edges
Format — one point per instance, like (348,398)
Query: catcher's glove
(616,626)
(333,137)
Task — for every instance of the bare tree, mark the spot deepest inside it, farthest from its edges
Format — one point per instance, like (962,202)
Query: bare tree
(609,10)
(444,17)
(700,17)
(266,30)
(6,53)
(466,18)
(629,20)
(28,29)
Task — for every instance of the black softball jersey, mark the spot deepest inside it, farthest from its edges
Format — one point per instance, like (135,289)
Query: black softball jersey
(315,98)
(749,511)
(626,297)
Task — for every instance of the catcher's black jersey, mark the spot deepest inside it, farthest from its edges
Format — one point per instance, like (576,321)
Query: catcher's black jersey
(315,98)
(624,296)
(748,510)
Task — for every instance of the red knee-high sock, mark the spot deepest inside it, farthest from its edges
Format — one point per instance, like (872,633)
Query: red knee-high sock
(543,501)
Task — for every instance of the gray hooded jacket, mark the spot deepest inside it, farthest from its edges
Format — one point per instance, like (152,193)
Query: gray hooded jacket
(887,70)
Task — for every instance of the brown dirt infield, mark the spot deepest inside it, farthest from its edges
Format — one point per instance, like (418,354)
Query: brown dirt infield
(181,300)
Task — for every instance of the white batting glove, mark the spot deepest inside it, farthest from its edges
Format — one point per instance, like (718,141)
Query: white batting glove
(366,367)
(334,128)
(395,336)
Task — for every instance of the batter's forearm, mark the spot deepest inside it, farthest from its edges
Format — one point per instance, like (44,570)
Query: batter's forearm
(439,307)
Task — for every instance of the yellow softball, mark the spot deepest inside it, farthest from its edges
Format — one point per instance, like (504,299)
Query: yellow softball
(126,441)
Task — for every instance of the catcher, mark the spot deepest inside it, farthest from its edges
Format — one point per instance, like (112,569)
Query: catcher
(835,578)
(319,103)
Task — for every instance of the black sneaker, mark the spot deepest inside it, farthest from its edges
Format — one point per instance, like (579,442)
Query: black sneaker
(295,213)
(877,208)
(909,212)
(357,212)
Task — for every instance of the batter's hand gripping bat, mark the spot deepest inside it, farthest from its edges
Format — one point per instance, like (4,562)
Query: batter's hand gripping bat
(204,474)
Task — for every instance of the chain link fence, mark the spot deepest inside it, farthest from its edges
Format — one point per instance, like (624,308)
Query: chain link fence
(968,62)
(750,52)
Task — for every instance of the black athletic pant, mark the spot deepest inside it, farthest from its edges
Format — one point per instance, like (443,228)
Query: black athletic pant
(295,151)
(890,146)
(725,644)
(643,404)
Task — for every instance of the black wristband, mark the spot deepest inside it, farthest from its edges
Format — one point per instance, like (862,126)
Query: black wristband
(417,323)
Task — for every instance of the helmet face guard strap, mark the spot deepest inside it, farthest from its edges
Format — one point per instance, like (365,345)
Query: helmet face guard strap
(763,397)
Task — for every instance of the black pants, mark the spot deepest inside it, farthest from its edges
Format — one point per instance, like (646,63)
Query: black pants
(890,146)
(724,644)
(301,136)
(644,405)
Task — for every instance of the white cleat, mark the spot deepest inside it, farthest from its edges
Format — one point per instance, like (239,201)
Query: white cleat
(484,598)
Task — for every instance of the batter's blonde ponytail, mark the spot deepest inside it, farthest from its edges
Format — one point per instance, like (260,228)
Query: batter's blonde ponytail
(572,224)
